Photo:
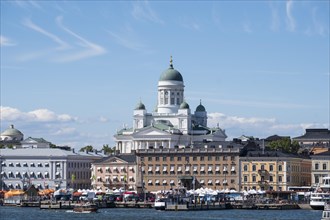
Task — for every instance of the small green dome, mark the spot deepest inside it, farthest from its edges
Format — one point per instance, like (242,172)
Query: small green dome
(140,106)
(200,107)
(171,74)
(184,105)
(11,131)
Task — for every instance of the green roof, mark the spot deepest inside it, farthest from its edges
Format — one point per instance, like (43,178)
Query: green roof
(140,106)
(184,105)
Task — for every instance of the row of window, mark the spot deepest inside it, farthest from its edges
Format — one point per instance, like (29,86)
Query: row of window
(115,179)
(270,179)
(201,182)
(194,158)
(262,167)
(317,166)
(115,169)
(78,165)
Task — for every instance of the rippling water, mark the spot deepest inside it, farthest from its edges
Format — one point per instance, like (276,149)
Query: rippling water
(19,213)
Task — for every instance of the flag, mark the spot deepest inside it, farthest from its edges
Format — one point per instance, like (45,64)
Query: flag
(73,177)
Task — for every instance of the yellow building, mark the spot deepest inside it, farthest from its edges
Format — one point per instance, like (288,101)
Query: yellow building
(273,170)
(163,169)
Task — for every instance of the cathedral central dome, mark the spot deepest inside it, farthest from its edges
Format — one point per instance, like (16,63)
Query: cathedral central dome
(171,74)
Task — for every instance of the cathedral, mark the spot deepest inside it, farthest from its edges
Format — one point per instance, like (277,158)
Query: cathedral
(171,124)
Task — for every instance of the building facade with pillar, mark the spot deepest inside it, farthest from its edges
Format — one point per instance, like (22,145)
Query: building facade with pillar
(45,168)
(171,124)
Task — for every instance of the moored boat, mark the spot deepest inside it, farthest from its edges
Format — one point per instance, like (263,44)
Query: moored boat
(321,196)
(85,208)
(326,212)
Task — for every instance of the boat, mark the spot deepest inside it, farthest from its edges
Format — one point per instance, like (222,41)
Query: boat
(326,212)
(318,200)
(160,204)
(321,195)
(85,208)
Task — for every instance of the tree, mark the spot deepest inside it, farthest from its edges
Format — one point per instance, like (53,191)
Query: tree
(285,145)
(108,150)
(88,148)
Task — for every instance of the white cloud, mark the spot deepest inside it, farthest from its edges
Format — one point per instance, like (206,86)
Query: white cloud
(62,44)
(291,25)
(66,131)
(4,41)
(275,22)
(236,126)
(125,42)
(91,50)
(103,119)
(38,115)
(143,11)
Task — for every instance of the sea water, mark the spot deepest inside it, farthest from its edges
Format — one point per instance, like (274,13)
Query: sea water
(20,213)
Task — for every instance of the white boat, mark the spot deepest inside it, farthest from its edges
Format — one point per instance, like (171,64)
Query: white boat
(318,200)
(160,204)
(326,212)
(321,195)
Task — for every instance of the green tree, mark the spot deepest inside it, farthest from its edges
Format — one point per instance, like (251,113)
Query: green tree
(88,148)
(285,145)
(107,149)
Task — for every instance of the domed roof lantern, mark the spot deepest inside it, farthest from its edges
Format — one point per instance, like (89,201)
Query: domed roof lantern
(171,74)
(200,107)
(140,106)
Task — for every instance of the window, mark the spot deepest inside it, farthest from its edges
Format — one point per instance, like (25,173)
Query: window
(149,158)
(157,158)
(279,167)
(245,179)
(280,178)
(232,158)
(217,158)
(254,168)
(171,158)
(271,179)
(201,158)
(254,178)
(187,159)
(142,158)
(324,166)
(164,158)
(209,158)
(194,158)
(224,157)
(179,158)
(262,167)
(172,101)
(245,167)
(271,167)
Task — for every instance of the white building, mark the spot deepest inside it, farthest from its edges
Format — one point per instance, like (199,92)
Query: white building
(45,168)
(11,137)
(171,124)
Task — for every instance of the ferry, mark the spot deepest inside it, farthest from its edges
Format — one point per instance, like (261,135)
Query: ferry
(326,212)
(321,195)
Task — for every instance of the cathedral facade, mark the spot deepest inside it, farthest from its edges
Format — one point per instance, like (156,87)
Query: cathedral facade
(171,124)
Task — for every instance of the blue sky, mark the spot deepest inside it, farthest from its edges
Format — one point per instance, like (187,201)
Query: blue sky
(73,71)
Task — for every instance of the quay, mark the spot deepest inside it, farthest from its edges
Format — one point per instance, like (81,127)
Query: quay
(195,207)
(273,206)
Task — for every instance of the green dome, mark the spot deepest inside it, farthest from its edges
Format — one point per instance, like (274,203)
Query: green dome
(140,106)
(171,74)
(184,105)
(11,131)
(200,107)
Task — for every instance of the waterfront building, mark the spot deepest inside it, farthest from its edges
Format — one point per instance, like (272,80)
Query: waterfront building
(171,124)
(45,168)
(320,167)
(115,172)
(11,137)
(209,166)
(35,143)
(273,170)
(314,137)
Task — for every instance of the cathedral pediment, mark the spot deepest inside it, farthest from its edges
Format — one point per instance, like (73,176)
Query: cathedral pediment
(151,131)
